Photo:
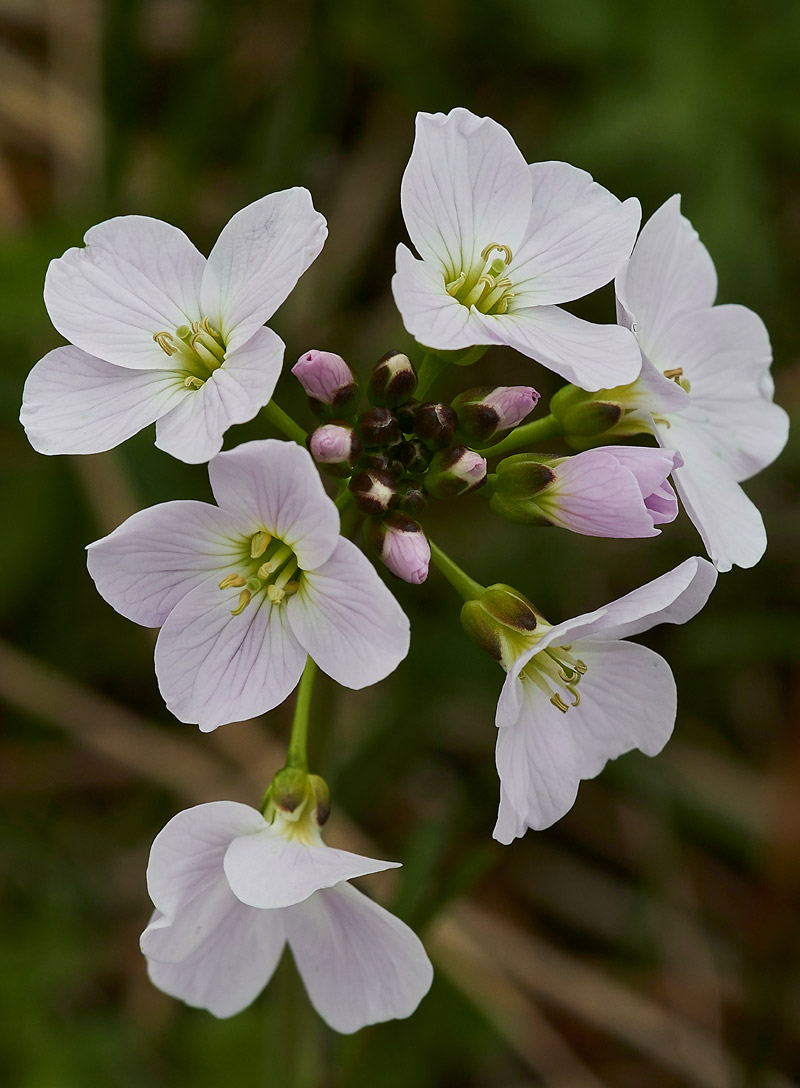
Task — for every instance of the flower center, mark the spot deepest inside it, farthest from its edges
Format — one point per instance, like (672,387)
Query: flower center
(200,346)
(269,566)
(483,285)
(555,668)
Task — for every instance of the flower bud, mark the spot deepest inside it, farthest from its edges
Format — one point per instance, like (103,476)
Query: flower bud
(435,424)
(330,384)
(411,497)
(382,461)
(393,380)
(374,492)
(322,798)
(501,621)
(455,472)
(378,427)
(290,791)
(519,479)
(489,411)
(336,446)
(405,416)
(414,455)
(402,546)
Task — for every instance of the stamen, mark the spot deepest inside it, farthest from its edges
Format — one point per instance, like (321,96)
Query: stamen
(259,543)
(202,351)
(577,695)
(559,703)
(675,373)
(244,601)
(193,383)
(453,286)
(290,588)
(286,573)
(165,342)
(275,562)
(275,595)
(479,290)
(502,305)
(500,248)
(232,580)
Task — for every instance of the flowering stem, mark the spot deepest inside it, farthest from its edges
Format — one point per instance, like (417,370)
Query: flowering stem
(528,433)
(461,582)
(284,423)
(429,371)
(297,756)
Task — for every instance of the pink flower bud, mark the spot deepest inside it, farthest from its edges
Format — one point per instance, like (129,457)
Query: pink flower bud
(455,472)
(489,411)
(511,403)
(405,549)
(328,381)
(335,444)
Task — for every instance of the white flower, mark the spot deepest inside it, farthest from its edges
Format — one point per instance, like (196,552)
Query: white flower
(160,334)
(230,890)
(576,696)
(501,242)
(705,386)
(245,590)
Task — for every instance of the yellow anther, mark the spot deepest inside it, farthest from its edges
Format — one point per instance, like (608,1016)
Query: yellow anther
(244,601)
(559,703)
(576,695)
(581,666)
(165,342)
(265,569)
(275,595)
(232,580)
(675,373)
(290,588)
(259,543)
(193,383)
(453,286)
(572,677)
(210,329)
(508,255)
(502,305)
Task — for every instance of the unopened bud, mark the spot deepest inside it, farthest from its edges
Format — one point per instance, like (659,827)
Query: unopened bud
(405,416)
(455,472)
(501,621)
(336,446)
(374,492)
(489,411)
(415,456)
(585,415)
(330,384)
(519,480)
(383,461)
(378,427)
(322,798)
(402,546)
(411,497)
(392,381)
(290,791)
(435,424)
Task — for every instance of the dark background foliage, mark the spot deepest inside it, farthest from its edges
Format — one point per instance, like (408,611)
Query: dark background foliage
(650,938)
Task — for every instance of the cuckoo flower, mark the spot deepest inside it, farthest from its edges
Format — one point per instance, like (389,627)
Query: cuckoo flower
(616,491)
(576,695)
(160,334)
(245,590)
(705,387)
(231,890)
(502,243)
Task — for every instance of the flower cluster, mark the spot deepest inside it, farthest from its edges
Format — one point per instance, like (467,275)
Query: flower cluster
(254,593)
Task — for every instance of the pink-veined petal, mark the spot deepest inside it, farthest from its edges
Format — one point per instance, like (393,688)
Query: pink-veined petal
(594,494)
(348,621)
(269,870)
(433,317)
(257,259)
(75,403)
(359,963)
(135,277)
(277,483)
(214,667)
(160,554)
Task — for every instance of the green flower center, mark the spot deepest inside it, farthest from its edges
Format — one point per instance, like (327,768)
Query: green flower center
(268,566)
(201,349)
(483,285)
(556,668)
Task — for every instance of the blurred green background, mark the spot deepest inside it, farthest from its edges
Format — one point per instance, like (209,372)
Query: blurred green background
(651,937)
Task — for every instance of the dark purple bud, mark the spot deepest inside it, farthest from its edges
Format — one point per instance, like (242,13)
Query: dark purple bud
(415,456)
(455,472)
(489,411)
(411,497)
(374,492)
(435,424)
(392,381)
(378,427)
(382,461)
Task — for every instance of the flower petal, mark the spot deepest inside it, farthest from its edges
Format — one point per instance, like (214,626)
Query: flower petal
(136,276)
(594,494)
(214,668)
(231,967)
(433,317)
(257,259)
(669,273)
(268,870)
(348,621)
(277,484)
(234,393)
(578,236)
(359,963)
(160,554)
(75,403)
(591,356)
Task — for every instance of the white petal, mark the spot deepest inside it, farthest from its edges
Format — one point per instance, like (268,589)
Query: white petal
(466,185)
(268,870)
(75,403)
(137,276)
(578,236)
(591,356)
(669,273)
(628,701)
(257,259)
(234,393)
(348,621)
(158,555)
(433,317)
(231,967)
(277,483)
(215,668)
(359,963)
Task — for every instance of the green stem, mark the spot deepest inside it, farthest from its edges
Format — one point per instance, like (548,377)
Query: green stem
(461,582)
(297,756)
(526,435)
(344,499)
(283,422)
(430,369)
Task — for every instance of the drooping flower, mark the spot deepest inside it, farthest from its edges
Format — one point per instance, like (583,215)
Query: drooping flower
(246,590)
(614,491)
(705,387)
(231,890)
(502,243)
(576,694)
(160,334)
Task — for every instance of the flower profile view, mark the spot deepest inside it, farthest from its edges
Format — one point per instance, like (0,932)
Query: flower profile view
(231,890)
(160,334)
(246,590)
(503,244)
